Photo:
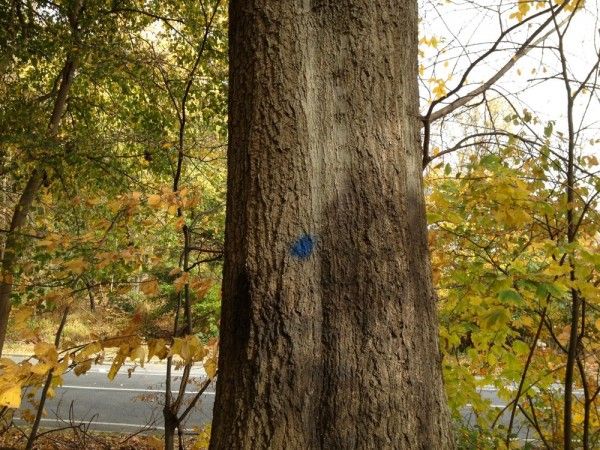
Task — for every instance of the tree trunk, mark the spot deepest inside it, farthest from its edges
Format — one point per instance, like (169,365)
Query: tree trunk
(9,251)
(170,422)
(40,409)
(91,296)
(329,328)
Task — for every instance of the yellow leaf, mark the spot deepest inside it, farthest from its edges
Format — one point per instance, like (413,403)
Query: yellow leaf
(555,269)
(46,352)
(82,367)
(138,353)
(149,287)
(50,245)
(77,265)
(61,367)
(180,348)
(175,271)
(527,321)
(181,281)
(11,397)
(201,286)
(210,366)
(189,348)
(7,364)
(88,350)
(117,363)
(21,316)
(41,368)
(158,348)
(115,205)
(154,200)
(105,258)
(27,416)
(439,89)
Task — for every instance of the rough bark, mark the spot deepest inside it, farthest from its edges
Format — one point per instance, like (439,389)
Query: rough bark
(329,328)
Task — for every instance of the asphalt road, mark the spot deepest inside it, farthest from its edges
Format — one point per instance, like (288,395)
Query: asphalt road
(520,425)
(132,403)
(126,404)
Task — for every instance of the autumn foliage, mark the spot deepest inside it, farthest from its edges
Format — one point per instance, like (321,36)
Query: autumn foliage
(115,115)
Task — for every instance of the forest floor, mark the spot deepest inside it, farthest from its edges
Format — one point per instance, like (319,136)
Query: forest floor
(76,438)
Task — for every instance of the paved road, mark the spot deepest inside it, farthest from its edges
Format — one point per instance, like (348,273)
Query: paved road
(127,404)
(520,426)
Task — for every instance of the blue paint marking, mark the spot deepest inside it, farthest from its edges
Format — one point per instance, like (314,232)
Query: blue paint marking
(303,247)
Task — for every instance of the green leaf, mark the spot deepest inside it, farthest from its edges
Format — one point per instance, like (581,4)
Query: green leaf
(545,289)
(496,318)
(510,296)
(520,347)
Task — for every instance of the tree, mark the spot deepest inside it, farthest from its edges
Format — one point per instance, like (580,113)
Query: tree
(126,214)
(328,329)
(514,229)
(35,178)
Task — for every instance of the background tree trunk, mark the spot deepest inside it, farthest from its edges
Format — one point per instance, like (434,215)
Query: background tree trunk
(329,329)
(8,253)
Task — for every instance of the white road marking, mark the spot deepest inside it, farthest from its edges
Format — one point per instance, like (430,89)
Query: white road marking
(493,405)
(98,388)
(143,372)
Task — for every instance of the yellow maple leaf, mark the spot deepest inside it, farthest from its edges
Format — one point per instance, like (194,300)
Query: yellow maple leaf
(158,348)
(188,348)
(154,200)
(46,352)
(21,316)
(11,397)
(439,90)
